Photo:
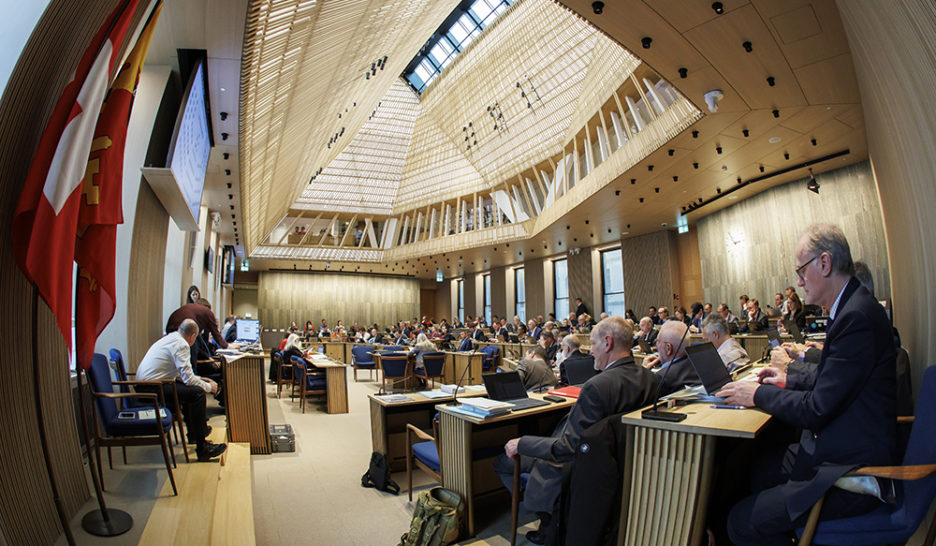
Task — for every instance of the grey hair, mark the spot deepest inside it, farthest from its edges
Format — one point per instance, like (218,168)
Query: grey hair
(829,238)
(715,322)
(863,274)
(619,330)
(188,327)
(572,342)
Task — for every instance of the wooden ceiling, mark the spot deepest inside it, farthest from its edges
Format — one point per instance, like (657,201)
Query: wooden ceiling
(799,44)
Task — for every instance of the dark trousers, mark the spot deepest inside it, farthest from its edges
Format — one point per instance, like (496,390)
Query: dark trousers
(192,400)
(504,467)
(762,518)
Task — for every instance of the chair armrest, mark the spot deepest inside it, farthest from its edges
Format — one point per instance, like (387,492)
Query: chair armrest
(419,433)
(142,382)
(149,395)
(904,419)
(909,472)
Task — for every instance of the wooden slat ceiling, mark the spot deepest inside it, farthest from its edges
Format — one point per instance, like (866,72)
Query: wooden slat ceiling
(800,44)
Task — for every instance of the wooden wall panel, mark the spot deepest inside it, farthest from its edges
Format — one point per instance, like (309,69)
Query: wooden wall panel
(27,512)
(581,283)
(749,247)
(499,304)
(690,269)
(535,288)
(286,296)
(147,265)
(427,303)
(650,270)
(471,294)
(443,301)
(893,45)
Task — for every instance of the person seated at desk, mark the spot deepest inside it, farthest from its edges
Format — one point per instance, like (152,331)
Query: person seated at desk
(663,314)
(621,386)
(502,330)
(534,372)
(548,342)
(797,311)
(465,344)
(715,330)
(421,347)
(675,371)
(573,356)
(533,331)
(446,337)
(478,334)
(695,324)
(846,407)
(726,314)
(170,358)
(522,334)
(646,332)
(757,320)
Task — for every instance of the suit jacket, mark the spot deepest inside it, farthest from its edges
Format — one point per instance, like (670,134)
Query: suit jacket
(622,386)
(760,321)
(551,352)
(536,332)
(478,335)
(574,360)
(677,375)
(847,407)
(465,344)
(535,374)
(650,336)
(202,316)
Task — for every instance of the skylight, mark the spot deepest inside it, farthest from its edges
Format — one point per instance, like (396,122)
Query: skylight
(462,26)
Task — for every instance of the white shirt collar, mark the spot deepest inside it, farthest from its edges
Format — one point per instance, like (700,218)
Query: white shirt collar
(836,304)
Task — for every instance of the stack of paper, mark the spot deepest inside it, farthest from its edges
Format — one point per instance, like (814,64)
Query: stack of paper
(485,407)
(451,388)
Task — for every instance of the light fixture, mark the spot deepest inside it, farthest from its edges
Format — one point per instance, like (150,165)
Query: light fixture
(718,7)
(683,73)
(712,98)
(813,184)
(224,116)
(748,46)
(224,136)
(771,81)
(598,7)
(646,41)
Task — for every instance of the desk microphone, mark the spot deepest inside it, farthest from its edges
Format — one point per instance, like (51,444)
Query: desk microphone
(661,415)
(460,379)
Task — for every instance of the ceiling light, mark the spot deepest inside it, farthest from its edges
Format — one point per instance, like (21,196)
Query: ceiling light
(771,81)
(774,139)
(683,73)
(598,7)
(748,46)
(718,7)
(646,41)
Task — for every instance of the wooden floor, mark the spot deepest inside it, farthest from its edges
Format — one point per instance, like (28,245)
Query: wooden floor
(214,505)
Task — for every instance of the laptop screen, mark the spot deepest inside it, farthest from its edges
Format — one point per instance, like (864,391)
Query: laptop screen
(773,335)
(791,327)
(709,366)
(248,330)
(504,386)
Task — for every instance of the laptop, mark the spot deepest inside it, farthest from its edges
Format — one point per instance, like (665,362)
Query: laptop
(791,328)
(708,366)
(645,347)
(815,325)
(773,337)
(507,387)
(248,330)
(579,370)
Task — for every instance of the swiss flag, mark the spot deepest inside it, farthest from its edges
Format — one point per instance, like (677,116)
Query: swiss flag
(46,216)
(100,204)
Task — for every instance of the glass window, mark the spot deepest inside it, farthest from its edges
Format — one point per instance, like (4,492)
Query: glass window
(520,293)
(461,300)
(612,282)
(561,288)
(487,299)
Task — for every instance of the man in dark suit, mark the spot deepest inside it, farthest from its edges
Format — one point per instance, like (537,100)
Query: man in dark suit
(478,334)
(757,319)
(846,407)
(580,308)
(465,344)
(621,386)
(548,341)
(574,358)
(675,370)
(646,332)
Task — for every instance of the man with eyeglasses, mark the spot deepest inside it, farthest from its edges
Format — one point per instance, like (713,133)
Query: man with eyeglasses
(846,406)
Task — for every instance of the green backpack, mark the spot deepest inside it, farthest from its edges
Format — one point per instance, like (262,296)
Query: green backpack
(437,519)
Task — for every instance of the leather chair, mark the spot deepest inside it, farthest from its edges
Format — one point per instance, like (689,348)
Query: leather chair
(892,524)
(424,454)
(113,430)
(310,382)
(361,358)
(433,364)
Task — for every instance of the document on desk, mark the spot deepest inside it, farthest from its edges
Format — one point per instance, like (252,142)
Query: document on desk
(394,397)
(434,394)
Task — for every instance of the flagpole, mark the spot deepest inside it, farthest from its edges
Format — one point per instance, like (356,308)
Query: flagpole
(37,395)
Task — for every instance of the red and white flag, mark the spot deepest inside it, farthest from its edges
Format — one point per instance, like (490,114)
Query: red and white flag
(100,204)
(46,216)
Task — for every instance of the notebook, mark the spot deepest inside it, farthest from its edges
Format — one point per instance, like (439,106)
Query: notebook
(709,366)
(568,392)
(507,387)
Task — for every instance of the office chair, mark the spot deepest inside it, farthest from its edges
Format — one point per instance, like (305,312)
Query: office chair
(423,454)
(361,358)
(394,367)
(112,430)
(892,524)
(284,373)
(310,382)
(489,358)
(433,364)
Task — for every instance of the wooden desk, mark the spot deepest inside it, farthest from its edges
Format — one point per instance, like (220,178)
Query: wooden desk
(468,446)
(336,380)
(668,472)
(245,401)
(455,364)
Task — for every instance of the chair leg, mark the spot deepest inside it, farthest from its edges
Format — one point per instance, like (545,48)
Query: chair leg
(171,449)
(110,460)
(181,433)
(931,534)
(515,501)
(124,450)
(409,464)
(811,523)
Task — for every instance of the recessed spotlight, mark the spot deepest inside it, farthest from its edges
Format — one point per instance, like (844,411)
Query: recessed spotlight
(646,41)
(774,139)
(732,197)
(683,73)
(718,7)
(695,134)
(748,46)
(771,81)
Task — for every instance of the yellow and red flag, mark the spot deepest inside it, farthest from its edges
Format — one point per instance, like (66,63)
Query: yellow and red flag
(100,205)
(46,215)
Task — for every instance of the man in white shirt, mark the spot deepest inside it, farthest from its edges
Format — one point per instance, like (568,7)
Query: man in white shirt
(170,358)
(715,329)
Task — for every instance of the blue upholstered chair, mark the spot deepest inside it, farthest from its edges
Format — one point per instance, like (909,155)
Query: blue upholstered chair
(113,430)
(892,524)
(424,453)
(361,358)
(310,382)
(284,372)
(393,349)
(393,366)
(489,359)
(173,405)
(433,363)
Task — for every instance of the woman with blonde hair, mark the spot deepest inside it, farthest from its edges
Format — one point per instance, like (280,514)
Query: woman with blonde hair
(422,346)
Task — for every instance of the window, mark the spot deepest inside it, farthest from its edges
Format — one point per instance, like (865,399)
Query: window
(487,299)
(461,300)
(612,282)
(561,288)
(520,293)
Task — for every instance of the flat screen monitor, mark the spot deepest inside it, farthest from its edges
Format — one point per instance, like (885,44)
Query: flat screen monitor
(248,330)
(191,141)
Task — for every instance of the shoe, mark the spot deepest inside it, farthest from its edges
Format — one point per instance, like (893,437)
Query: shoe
(536,537)
(209,451)
(207,430)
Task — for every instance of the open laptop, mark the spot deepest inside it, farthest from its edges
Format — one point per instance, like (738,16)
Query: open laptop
(791,328)
(507,387)
(645,347)
(248,330)
(773,337)
(815,325)
(709,366)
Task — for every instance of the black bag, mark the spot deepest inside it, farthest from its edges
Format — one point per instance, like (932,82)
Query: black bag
(378,475)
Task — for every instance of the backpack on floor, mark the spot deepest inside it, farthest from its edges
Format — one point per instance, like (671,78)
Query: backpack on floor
(437,519)
(378,475)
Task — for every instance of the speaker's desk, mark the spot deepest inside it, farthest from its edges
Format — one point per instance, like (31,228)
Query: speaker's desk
(468,445)
(455,364)
(668,471)
(245,401)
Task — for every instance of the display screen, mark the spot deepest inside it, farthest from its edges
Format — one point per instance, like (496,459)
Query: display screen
(191,142)
(248,330)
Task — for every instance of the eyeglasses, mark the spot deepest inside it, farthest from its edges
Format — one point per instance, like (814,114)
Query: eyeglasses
(799,270)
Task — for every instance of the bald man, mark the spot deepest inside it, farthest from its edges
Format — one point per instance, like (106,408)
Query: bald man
(671,365)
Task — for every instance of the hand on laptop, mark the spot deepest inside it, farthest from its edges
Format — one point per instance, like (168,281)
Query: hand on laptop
(772,376)
(739,393)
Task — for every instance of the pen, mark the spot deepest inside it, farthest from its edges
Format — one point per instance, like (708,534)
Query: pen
(728,407)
